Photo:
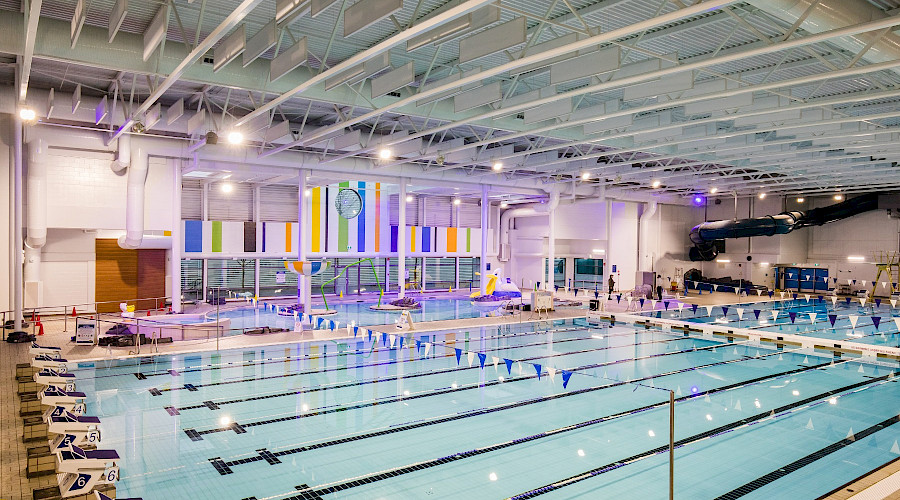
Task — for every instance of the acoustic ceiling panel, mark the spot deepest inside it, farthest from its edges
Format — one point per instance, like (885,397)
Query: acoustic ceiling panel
(393,80)
(491,40)
(590,64)
(477,97)
(288,60)
(365,13)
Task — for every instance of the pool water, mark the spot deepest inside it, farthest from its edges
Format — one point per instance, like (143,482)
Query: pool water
(356,419)
(358,312)
(865,330)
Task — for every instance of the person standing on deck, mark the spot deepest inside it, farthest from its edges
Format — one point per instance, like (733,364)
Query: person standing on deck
(612,284)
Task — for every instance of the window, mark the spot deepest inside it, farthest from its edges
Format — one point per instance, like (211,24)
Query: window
(275,280)
(468,266)
(234,275)
(559,272)
(589,273)
(192,279)
(440,273)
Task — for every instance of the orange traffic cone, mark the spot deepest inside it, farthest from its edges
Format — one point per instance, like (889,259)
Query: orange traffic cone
(40,328)
(73,312)
(148,313)
(32,316)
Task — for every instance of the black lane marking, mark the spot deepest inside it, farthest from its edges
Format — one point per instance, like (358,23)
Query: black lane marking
(692,439)
(480,451)
(155,392)
(397,398)
(391,362)
(473,413)
(206,404)
(140,376)
(233,364)
(808,459)
(172,410)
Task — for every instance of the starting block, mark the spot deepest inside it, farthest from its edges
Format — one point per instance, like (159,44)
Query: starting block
(70,400)
(52,377)
(71,429)
(46,362)
(81,471)
(39,350)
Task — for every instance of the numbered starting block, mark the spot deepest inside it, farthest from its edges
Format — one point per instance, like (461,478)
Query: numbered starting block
(52,377)
(72,429)
(72,401)
(46,362)
(81,471)
(39,350)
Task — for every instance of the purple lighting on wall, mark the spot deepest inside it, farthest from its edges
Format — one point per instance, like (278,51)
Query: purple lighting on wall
(698,200)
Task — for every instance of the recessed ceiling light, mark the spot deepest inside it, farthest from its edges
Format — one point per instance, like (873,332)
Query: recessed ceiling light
(497,166)
(384,153)
(656,184)
(585,175)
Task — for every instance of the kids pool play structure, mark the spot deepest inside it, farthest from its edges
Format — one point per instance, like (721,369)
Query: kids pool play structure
(306,268)
(497,291)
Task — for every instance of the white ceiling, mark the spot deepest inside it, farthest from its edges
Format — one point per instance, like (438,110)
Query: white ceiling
(739,96)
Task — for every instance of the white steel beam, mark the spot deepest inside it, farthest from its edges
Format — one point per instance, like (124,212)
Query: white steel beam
(33,14)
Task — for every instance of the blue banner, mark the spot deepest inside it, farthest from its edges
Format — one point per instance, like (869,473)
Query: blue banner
(756,313)
(481,357)
(537,368)
(793,315)
(566,375)
(832,318)
(509,363)
(458,354)
(724,310)
(694,308)
(876,320)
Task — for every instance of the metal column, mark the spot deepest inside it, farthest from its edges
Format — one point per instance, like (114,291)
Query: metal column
(177,237)
(401,240)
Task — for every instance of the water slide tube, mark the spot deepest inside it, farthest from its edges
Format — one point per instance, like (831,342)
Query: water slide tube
(491,285)
(704,235)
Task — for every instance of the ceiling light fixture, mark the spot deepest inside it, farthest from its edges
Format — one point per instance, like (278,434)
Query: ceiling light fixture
(801,199)
(497,166)
(227,187)
(456,201)
(409,198)
(839,197)
(713,190)
(656,183)
(503,204)
(384,153)
(762,196)
(585,176)
(235,137)
(27,114)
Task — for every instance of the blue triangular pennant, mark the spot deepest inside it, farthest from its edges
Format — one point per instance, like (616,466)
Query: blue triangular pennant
(756,313)
(832,318)
(877,302)
(384,337)
(618,298)
(576,292)
(509,363)
(876,320)
(847,299)
(795,296)
(566,375)
(537,368)
(694,308)
(771,293)
(666,304)
(400,345)
(793,315)
(641,300)
(355,331)
(418,345)
(481,357)
(821,298)
(458,354)
(724,310)
(596,295)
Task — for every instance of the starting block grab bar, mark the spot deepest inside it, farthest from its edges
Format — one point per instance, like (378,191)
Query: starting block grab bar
(81,471)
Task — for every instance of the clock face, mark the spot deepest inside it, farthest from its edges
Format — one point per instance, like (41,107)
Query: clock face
(348,203)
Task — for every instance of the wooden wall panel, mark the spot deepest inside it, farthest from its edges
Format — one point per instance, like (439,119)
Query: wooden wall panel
(151,278)
(116,275)
(125,275)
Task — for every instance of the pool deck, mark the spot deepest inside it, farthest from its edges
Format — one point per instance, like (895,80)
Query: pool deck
(15,486)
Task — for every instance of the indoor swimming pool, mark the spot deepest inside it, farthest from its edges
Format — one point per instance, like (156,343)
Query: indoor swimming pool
(560,410)
(869,324)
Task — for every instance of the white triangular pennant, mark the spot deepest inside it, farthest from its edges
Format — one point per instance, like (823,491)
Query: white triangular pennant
(850,435)
(853,319)
(427,347)
(735,351)
(862,301)
(895,449)
(552,372)
(706,398)
(737,406)
(897,323)
(680,306)
(716,288)
(759,292)
(519,366)
(470,356)
(652,303)
(629,299)
(861,369)
(806,296)
(678,391)
(864,282)
(708,310)
(774,315)
(893,302)
(393,340)
(780,358)
(849,281)
(806,360)
(809,425)
(812,317)
(495,360)
(884,284)
(834,301)
(782,294)
(740,312)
